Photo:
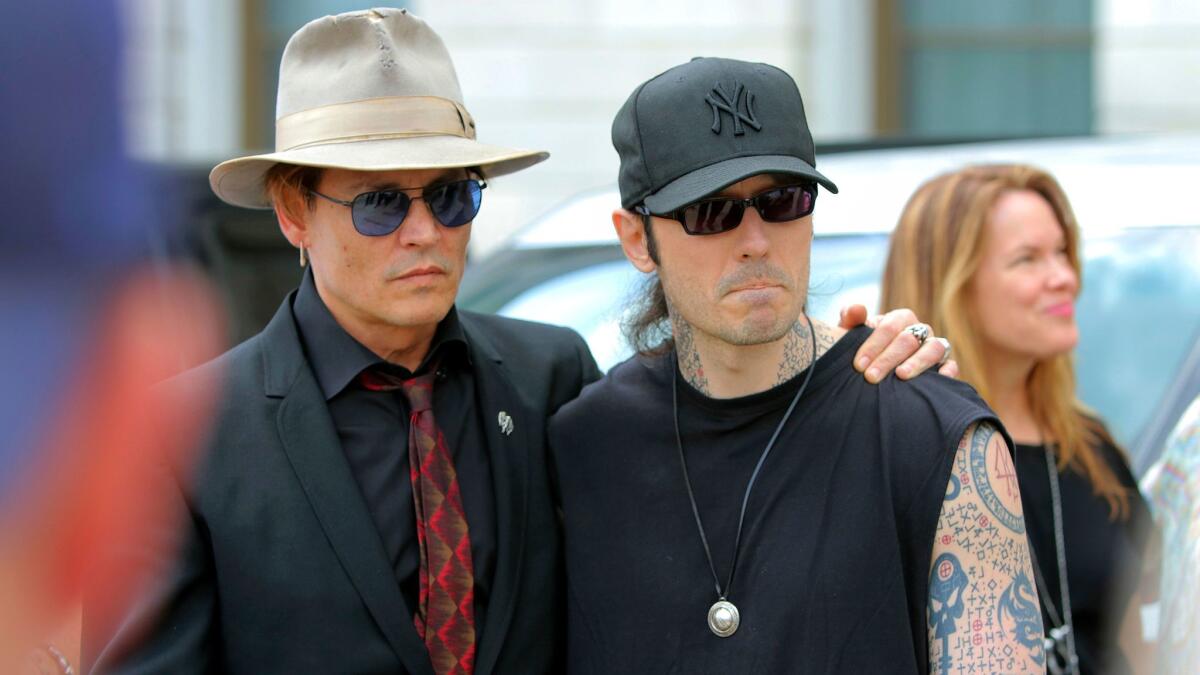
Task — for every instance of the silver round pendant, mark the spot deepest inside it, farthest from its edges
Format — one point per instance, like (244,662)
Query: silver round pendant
(723,618)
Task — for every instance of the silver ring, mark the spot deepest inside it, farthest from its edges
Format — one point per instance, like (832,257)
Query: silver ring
(919,331)
(946,347)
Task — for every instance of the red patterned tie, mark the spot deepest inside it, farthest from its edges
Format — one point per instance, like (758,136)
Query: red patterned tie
(445,617)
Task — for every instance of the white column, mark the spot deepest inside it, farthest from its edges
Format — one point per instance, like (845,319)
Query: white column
(184,89)
(840,98)
(1147,60)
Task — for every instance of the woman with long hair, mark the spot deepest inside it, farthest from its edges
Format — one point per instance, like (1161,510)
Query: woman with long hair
(989,256)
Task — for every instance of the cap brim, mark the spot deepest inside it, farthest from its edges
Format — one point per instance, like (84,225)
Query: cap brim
(240,181)
(710,179)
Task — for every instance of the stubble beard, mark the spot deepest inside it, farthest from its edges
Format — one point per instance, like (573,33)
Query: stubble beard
(750,333)
(747,332)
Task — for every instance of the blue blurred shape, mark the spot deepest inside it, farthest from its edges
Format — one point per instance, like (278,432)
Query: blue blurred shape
(74,207)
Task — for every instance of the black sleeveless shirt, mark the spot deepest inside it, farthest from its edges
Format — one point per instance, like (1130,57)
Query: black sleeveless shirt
(833,570)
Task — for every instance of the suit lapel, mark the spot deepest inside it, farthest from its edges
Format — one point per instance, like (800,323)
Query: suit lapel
(312,447)
(510,428)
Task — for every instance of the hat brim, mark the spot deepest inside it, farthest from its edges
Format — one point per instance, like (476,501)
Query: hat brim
(240,181)
(709,179)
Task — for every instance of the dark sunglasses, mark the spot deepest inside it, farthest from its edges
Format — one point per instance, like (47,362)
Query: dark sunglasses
(381,212)
(722,214)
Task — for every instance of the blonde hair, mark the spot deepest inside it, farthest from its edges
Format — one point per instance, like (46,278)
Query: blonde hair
(936,249)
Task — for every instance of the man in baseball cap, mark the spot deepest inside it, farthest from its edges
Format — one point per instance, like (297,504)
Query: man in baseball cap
(737,497)
(373,497)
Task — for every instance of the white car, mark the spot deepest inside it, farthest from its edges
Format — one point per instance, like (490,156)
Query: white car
(1136,198)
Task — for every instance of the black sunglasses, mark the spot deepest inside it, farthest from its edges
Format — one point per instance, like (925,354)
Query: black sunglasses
(381,212)
(722,214)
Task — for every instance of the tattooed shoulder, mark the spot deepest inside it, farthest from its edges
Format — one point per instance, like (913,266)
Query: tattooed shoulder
(983,612)
(996,477)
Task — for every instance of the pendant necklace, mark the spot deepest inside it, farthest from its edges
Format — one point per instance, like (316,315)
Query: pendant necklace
(724,617)
(1059,643)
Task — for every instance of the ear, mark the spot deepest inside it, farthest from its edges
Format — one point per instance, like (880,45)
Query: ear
(631,230)
(294,228)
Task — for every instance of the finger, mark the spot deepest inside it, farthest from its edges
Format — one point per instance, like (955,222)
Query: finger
(949,369)
(903,347)
(852,316)
(928,356)
(887,327)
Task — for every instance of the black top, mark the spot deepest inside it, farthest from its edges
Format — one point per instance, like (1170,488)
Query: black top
(1104,556)
(373,429)
(833,572)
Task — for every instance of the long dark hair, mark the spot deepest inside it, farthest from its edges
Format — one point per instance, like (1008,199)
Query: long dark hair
(648,328)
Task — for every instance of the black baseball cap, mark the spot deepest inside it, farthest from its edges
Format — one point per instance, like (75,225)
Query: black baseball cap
(699,127)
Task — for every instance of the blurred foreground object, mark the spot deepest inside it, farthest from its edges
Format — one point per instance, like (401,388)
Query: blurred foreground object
(1173,486)
(89,327)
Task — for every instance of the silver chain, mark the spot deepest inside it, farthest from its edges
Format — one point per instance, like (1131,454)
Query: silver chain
(1062,635)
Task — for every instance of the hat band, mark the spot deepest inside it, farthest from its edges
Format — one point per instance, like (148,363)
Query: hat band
(373,119)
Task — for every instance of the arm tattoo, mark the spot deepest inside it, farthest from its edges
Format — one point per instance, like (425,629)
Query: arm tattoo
(983,613)
(689,357)
(946,585)
(1018,608)
(984,456)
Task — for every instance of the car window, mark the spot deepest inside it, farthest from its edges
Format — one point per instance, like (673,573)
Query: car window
(592,300)
(1139,316)
(1138,313)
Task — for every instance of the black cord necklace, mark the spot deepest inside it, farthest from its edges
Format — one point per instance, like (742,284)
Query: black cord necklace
(724,617)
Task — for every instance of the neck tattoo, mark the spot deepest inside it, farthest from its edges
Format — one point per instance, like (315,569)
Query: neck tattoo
(689,357)
(798,347)
(802,340)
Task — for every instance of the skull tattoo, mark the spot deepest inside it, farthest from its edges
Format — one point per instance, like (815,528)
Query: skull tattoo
(947,582)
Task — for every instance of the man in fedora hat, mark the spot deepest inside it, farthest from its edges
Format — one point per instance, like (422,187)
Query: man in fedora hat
(374,495)
(736,498)
(363,429)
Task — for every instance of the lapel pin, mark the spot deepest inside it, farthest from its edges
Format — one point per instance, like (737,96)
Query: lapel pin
(505,422)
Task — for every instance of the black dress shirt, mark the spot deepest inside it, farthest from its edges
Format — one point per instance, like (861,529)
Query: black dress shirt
(373,429)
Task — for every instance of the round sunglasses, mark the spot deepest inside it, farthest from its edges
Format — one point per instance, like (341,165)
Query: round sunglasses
(381,212)
(722,214)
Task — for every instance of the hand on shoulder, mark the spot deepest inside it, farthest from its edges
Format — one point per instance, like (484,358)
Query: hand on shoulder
(894,346)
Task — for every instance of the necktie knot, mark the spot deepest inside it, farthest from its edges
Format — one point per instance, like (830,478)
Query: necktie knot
(418,390)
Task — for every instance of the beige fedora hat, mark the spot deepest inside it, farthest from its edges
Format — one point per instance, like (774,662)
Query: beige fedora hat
(372,90)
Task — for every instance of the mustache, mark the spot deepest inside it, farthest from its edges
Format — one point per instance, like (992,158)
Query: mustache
(754,272)
(425,260)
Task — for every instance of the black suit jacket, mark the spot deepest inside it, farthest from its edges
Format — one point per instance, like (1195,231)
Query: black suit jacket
(280,568)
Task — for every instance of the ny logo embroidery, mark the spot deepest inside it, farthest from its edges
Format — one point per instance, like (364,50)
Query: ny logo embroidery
(730,104)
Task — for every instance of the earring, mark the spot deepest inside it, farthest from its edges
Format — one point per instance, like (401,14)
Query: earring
(303,256)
